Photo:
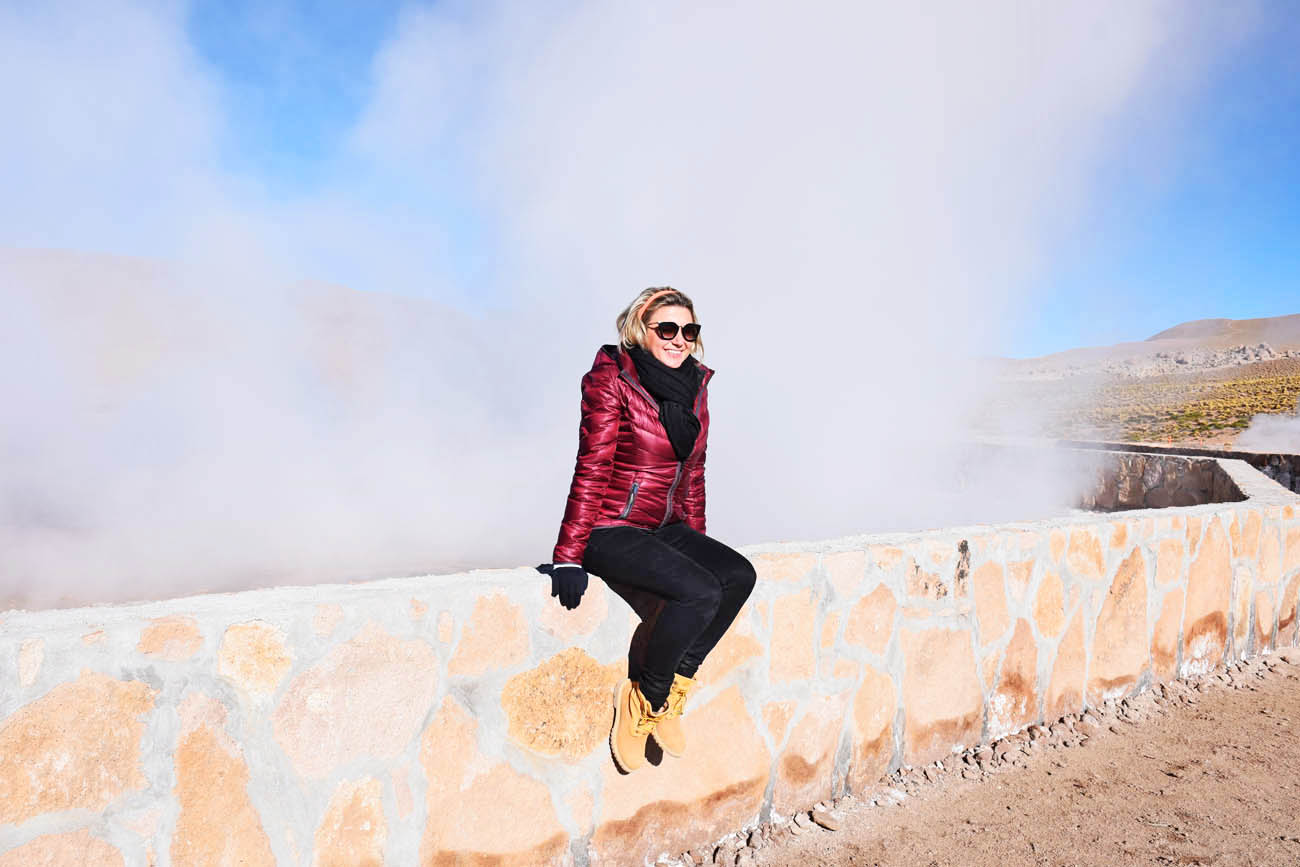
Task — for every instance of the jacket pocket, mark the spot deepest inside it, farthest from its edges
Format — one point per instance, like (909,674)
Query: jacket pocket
(631,498)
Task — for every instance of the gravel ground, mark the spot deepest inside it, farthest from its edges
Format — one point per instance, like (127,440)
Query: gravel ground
(1203,771)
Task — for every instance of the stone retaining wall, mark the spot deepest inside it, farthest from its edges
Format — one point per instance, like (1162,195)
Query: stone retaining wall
(463,718)
(1130,480)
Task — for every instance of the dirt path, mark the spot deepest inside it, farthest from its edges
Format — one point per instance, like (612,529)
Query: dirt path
(1209,774)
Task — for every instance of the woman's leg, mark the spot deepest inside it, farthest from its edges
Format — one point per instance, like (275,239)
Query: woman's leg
(691,593)
(733,572)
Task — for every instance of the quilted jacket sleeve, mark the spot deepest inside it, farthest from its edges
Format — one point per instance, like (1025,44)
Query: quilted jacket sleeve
(597,439)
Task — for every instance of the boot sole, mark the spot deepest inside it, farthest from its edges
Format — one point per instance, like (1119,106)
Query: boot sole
(613,730)
(675,755)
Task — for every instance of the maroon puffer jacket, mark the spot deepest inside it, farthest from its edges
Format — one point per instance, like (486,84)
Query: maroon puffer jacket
(627,474)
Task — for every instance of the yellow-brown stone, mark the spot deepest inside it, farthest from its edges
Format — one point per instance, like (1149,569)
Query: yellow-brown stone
(1118,534)
(871,622)
(1241,589)
(679,805)
(1015,701)
(1056,542)
(76,747)
(1120,650)
(561,707)
(496,636)
(804,766)
(481,811)
(1209,587)
(1270,555)
(829,626)
(1019,574)
(874,705)
(845,570)
(990,602)
(783,566)
(75,849)
(920,583)
(1194,533)
(738,646)
(885,557)
(446,627)
(173,638)
(583,620)
(1084,558)
(1065,691)
(776,717)
(794,649)
(1291,560)
(217,824)
(1245,543)
(1286,615)
(941,693)
(1049,605)
(1263,620)
(353,830)
(254,657)
(366,698)
(1169,561)
(1164,638)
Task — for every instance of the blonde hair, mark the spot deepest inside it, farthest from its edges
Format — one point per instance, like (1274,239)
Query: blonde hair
(631,323)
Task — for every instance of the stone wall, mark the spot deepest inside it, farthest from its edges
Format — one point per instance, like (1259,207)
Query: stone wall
(1128,480)
(463,718)
(1283,469)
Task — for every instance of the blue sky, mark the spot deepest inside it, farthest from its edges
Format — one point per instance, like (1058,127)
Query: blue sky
(1214,234)
(1211,233)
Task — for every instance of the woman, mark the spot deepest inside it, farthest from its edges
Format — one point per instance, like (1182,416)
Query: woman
(635,513)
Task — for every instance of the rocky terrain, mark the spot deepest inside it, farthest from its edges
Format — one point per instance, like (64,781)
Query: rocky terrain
(1197,771)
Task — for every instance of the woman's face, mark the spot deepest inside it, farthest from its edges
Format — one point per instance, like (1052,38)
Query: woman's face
(670,352)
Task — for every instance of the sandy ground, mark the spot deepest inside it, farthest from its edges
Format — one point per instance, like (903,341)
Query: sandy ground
(1209,774)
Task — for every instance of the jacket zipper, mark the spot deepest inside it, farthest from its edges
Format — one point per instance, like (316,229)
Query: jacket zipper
(631,498)
(677,477)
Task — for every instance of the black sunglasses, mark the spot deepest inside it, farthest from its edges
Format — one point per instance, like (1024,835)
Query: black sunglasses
(668,330)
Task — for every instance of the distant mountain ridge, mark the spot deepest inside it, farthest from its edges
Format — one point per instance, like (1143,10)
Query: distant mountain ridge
(1272,330)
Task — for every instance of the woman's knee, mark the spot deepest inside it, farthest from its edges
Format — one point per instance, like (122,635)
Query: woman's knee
(742,578)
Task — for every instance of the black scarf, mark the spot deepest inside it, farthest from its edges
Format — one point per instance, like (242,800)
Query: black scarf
(674,389)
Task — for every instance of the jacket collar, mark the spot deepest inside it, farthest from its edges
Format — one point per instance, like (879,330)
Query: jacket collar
(627,367)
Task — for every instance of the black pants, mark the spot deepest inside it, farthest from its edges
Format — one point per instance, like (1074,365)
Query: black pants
(703,584)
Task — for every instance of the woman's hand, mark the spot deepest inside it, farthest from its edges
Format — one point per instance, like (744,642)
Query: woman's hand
(568,583)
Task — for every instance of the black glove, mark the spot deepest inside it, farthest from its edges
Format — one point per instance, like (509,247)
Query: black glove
(568,583)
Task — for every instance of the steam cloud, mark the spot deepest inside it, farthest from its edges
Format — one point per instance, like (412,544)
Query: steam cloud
(1272,433)
(856,195)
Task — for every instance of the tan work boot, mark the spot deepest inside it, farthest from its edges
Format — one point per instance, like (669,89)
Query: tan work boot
(668,732)
(634,720)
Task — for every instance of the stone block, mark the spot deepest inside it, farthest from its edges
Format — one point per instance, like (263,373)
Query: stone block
(561,707)
(1164,638)
(871,622)
(353,831)
(1049,605)
(254,657)
(919,583)
(1118,534)
(1241,591)
(776,718)
(794,648)
(583,620)
(1286,615)
(74,849)
(1264,612)
(1291,559)
(737,646)
(1056,545)
(1084,558)
(1270,555)
(845,570)
(1209,587)
(884,558)
(830,625)
(872,730)
(1065,690)
(679,805)
(990,602)
(216,823)
(496,636)
(1019,575)
(1169,561)
(173,638)
(942,698)
(75,748)
(480,810)
(793,567)
(805,764)
(1014,703)
(1120,645)
(366,698)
